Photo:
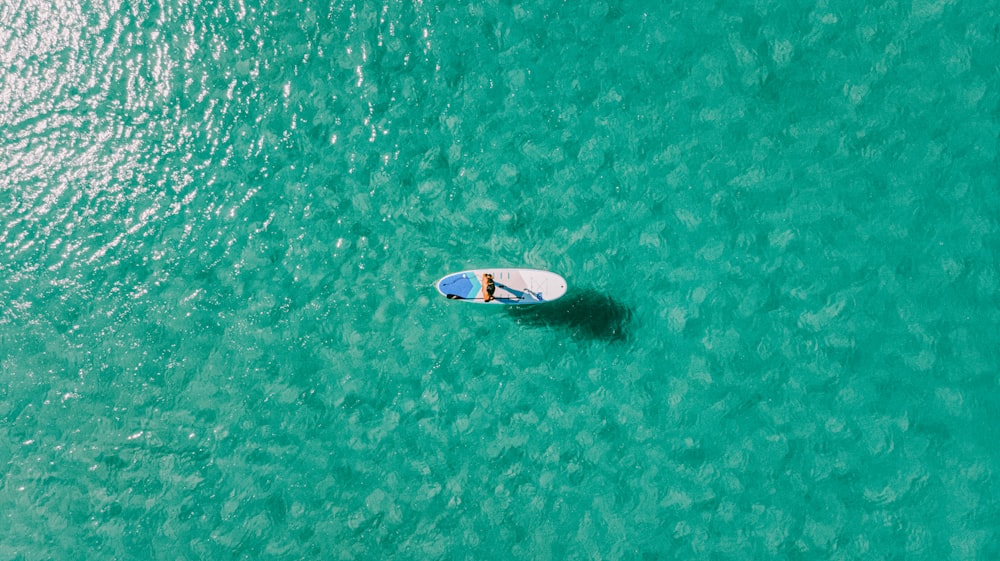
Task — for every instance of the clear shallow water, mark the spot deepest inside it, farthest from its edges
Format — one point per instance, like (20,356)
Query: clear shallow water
(221,225)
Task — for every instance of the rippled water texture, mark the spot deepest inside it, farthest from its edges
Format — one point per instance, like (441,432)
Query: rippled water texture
(220,223)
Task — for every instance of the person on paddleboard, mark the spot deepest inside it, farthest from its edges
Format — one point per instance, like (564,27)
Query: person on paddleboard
(488,287)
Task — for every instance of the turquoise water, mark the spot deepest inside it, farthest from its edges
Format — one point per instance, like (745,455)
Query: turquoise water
(220,224)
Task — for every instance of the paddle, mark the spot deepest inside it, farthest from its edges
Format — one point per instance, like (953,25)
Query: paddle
(457,297)
(508,289)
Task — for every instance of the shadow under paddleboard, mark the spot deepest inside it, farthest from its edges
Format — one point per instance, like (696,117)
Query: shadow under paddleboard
(586,313)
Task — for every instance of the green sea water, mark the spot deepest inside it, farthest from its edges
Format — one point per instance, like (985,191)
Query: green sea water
(221,222)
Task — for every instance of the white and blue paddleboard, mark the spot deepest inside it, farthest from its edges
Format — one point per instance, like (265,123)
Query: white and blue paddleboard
(512,286)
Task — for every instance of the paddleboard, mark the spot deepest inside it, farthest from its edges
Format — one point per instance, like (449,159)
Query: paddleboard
(511,286)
